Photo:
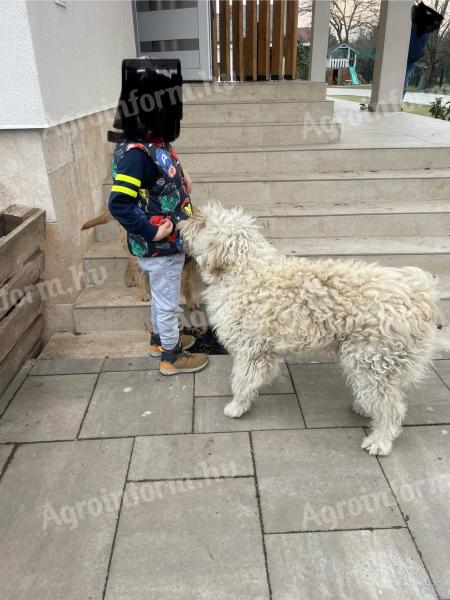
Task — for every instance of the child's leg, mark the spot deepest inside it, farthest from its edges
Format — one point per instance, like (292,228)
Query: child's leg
(144,266)
(165,277)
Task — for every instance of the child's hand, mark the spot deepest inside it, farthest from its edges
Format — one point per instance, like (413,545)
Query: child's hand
(164,230)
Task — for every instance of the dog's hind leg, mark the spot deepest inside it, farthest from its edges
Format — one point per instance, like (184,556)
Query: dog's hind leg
(247,377)
(377,386)
(388,410)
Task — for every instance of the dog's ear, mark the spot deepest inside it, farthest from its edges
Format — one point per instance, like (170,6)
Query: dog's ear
(190,228)
(221,257)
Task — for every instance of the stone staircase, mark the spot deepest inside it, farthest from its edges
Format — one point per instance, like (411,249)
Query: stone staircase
(274,149)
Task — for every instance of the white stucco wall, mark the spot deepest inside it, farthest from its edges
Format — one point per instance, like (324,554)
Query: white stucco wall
(78,52)
(20,95)
(60,63)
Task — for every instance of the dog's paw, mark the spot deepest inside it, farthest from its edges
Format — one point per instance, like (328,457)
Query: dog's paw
(193,303)
(234,409)
(376,445)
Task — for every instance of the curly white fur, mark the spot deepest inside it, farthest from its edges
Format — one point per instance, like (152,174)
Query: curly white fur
(265,307)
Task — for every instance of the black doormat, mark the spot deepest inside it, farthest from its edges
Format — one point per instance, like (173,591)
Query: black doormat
(206,341)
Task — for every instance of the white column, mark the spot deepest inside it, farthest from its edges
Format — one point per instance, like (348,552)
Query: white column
(394,30)
(319,40)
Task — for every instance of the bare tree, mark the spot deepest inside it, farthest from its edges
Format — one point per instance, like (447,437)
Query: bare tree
(348,18)
(438,47)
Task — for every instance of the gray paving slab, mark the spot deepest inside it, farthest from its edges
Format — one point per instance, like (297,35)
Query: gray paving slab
(216,379)
(139,403)
(347,565)
(419,472)
(47,408)
(14,385)
(279,411)
(201,543)
(58,517)
(324,395)
(326,399)
(142,363)
(313,356)
(319,480)
(429,403)
(443,369)
(66,366)
(5,451)
(191,456)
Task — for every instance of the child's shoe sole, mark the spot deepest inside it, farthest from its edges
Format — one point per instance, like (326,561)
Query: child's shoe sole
(169,369)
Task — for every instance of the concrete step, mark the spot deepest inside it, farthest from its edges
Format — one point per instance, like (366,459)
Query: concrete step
(245,165)
(119,309)
(229,138)
(300,217)
(300,192)
(128,344)
(235,113)
(331,225)
(404,247)
(107,261)
(108,232)
(339,220)
(110,309)
(384,187)
(253,92)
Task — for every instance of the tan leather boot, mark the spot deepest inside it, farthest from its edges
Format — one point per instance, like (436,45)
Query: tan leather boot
(177,361)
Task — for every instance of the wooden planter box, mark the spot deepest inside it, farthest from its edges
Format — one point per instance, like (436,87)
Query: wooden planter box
(22,231)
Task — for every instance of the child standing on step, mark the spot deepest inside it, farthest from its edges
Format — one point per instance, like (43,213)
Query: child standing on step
(150,195)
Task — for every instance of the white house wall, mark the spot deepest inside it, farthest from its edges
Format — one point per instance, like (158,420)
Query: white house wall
(21,103)
(78,51)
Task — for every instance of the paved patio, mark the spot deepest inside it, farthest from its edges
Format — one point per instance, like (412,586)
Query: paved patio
(118,483)
(411,97)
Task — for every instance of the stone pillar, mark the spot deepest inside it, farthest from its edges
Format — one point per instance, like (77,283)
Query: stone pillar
(319,40)
(394,30)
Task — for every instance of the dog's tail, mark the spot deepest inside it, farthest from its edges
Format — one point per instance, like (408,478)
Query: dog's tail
(424,289)
(427,324)
(102,219)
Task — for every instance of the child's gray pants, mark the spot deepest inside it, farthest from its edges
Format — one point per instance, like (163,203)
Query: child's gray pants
(165,278)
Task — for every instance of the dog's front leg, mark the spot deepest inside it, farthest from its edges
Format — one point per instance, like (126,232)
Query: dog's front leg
(246,379)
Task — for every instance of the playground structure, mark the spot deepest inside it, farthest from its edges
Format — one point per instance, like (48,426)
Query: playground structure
(341,66)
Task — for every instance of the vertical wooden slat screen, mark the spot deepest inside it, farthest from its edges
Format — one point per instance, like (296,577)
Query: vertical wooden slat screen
(224,39)
(265,52)
(251,48)
(279,15)
(215,64)
(238,39)
(290,47)
(264,40)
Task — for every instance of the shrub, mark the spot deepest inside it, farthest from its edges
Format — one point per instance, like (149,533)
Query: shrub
(438,110)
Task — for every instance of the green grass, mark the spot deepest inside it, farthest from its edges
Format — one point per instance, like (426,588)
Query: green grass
(416,109)
(360,86)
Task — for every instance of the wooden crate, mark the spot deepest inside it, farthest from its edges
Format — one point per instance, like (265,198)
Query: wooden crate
(22,231)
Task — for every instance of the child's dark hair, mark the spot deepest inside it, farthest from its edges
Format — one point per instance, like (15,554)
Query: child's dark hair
(150,100)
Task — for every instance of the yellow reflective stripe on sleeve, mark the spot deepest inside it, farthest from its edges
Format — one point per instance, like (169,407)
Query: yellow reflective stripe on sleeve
(128,179)
(124,190)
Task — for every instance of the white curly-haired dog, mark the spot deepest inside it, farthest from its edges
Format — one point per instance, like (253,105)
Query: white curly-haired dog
(264,307)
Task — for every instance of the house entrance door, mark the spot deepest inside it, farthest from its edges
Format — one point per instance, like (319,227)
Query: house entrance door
(176,29)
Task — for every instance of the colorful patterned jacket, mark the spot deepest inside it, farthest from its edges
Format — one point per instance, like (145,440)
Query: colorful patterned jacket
(148,185)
